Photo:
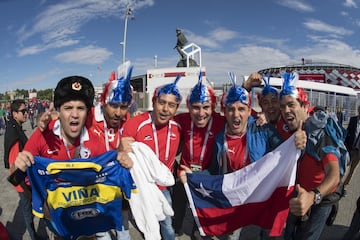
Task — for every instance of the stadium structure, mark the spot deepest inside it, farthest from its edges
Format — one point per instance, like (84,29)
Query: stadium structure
(332,73)
(330,85)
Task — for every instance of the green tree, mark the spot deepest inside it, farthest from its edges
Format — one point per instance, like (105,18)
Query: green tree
(46,94)
(22,93)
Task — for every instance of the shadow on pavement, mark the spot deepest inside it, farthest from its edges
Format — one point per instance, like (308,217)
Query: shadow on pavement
(16,228)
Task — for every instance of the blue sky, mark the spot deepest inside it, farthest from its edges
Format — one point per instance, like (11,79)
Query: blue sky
(43,41)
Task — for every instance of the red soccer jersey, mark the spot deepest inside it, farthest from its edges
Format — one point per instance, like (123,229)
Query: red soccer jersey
(49,144)
(237,153)
(108,138)
(196,139)
(141,129)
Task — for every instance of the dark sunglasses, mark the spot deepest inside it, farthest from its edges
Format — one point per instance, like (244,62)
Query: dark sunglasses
(22,110)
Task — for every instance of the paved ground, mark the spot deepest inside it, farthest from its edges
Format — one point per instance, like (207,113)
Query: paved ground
(11,216)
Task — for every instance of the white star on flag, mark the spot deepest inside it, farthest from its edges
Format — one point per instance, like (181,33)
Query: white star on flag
(203,191)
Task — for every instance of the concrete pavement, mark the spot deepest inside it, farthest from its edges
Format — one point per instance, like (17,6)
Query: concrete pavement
(11,216)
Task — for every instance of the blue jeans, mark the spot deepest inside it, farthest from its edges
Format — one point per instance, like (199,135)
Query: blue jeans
(166,228)
(124,234)
(26,207)
(309,229)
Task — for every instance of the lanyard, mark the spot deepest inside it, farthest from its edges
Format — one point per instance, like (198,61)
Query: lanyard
(83,153)
(205,141)
(156,140)
(226,148)
(106,135)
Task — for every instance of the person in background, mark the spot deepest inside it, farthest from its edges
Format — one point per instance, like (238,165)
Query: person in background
(316,178)
(2,119)
(340,115)
(161,133)
(31,112)
(352,142)
(14,143)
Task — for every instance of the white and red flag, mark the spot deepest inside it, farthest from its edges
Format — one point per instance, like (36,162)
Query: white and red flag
(258,194)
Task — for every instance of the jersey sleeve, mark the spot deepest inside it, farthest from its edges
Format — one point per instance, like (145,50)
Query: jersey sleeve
(38,187)
(33,143)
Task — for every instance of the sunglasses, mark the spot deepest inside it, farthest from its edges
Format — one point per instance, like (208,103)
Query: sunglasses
(22,110)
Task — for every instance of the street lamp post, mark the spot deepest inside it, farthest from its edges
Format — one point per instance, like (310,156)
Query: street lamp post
(127,14)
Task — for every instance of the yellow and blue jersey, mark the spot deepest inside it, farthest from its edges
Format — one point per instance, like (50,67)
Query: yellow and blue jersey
(84,196)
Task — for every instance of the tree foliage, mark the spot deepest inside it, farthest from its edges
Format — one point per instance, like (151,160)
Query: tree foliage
(46,94)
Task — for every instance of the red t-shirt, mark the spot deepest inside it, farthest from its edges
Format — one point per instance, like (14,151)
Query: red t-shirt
(237,153)
(198,139)
(311,172)
(140,128)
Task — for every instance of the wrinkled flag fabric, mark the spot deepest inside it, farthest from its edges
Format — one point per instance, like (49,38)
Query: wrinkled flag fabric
(258,194)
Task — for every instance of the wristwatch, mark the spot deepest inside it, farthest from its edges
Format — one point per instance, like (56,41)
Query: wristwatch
(317,197)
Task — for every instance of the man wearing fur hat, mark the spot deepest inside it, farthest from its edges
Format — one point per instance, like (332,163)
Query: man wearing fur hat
(104,122)
(67,136)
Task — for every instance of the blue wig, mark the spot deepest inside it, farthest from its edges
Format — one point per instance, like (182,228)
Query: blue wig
(202,93)
(290,89)
(268,88)
(235,94)
(119,90)
(170,88)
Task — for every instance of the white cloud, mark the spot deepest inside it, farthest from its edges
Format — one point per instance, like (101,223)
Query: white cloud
(61,21)
(35,49)
(350,3)
(90,55)
(319,26)
(296,5)
(357,23)
(213,39)
(242,62)
(31,81)
(222,34)
(331,50)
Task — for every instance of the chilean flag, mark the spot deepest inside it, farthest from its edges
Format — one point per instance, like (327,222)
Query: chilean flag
(258,194)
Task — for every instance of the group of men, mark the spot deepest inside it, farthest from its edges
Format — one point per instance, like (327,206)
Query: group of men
(209,142)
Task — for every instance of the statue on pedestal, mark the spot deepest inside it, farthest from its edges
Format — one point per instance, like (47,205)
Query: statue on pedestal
(181,42)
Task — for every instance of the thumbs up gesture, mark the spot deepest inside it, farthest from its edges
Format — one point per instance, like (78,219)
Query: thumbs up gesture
(302,202)
(300,137)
